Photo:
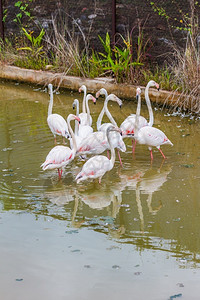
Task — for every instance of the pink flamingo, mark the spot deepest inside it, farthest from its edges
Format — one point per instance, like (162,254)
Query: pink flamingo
(128,125)
(86,129)
(103,127)
(56,122)
(60,155)
(147,135)
(112,97)
(85,120)
(97,142)
(98,165)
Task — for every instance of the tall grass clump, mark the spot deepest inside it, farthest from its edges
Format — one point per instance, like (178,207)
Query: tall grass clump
(185,67)
(69,51)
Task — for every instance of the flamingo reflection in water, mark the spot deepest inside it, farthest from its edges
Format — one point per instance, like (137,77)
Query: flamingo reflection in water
(150,183)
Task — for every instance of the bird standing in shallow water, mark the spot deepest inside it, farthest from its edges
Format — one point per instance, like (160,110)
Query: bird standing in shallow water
(56,122)
(60,155)
(128,125)
(147,135)
(98,165)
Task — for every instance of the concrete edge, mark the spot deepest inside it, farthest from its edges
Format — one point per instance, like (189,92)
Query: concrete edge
(73,83)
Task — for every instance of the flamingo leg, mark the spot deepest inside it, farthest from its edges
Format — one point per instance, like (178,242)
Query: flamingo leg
(120,158)
(99,180)
(55,140)
(60,173)
(64,141)
(151,153)
(133,146)
(162,153)
(108,154)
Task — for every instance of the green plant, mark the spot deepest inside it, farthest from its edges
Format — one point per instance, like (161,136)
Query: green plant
(117,61)
(35,49)
(33,56)
(23,8)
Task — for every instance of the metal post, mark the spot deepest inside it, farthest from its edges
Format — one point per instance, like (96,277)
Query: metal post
(1,21)
(113,21)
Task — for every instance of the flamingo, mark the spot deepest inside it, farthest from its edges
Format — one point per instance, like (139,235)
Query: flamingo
(147,135)
(85,109)
(128,124)
(60,155)
(56,122)
(97,142)
(103,127)
(98,165)
(81,131)
(86,129)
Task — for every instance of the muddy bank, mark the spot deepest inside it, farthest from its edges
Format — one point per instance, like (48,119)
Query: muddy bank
(73,83)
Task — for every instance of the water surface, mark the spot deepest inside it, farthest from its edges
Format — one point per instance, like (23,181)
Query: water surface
(135,236)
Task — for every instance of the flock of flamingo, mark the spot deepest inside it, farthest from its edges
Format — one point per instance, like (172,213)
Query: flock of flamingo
(84,141)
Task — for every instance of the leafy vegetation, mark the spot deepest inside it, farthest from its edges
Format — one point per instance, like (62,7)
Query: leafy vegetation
(126,61)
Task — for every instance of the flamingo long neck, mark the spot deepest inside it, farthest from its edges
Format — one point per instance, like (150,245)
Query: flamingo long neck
(110,117)
(100,117)
(112,150)
(50,108)
(148,102)
(69,118)
(76,102)
(84,100)
(137,118)
(87,110)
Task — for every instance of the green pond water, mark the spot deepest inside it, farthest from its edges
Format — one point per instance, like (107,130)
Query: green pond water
(135,236)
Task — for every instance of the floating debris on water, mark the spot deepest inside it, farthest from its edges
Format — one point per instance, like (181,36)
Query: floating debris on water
(71,231)
(188,165)
(116,267)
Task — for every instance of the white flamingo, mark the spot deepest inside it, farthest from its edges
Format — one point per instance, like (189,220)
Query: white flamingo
(128,124)
(112,97)
(85,109)
(98,165)
(56,122)
(97,143)
(147,135)
(60,155)
(81,131)
(103,127)
(86,129)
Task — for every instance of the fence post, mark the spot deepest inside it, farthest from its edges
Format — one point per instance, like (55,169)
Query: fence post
(113,21)
(1,21)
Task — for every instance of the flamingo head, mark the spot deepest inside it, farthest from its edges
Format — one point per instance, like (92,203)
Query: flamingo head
(82,88)
(90,97)
(78,119)
(98,94)
(114,128)
(102,91)
(75,103)
(153,83)
(138,92)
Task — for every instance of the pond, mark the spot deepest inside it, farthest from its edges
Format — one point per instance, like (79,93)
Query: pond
(134,236)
